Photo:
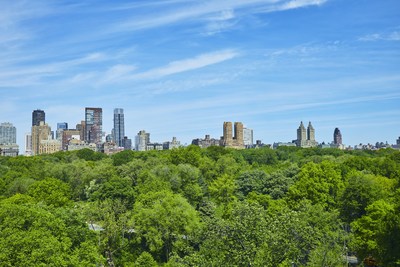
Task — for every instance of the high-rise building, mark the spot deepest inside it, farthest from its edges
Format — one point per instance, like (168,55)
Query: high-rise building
(93,125)
(39,133)
(301,134)
(142,140)
(337,137)
(310,132)
(228,140)
(69,135)
(28,144)
(248,137)
(81,127)
(127,143)
(8,133)
(119,127)
(38,116)
(306,137)
(61,126)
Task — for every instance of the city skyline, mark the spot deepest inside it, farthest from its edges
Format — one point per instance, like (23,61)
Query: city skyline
(181,68)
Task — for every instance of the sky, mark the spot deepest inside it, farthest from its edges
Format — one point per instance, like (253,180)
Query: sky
(183,67)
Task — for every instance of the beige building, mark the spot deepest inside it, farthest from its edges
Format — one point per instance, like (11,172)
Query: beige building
(39,133)
(306,137)
(233,137)
(49,146)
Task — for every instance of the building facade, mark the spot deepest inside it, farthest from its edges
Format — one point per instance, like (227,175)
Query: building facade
(119,127)
(49,146)
(127,143)
(206,142)
(38,115)
(172,144)
(141,140)
(69,135)
(28,144)
(306,137)
(248,137)
(93,125)
(233,140)
(8,133)
(39,133)
(61,126)
(337,137)
(9,150)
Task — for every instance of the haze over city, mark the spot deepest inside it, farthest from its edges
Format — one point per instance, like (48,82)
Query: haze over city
(182,68)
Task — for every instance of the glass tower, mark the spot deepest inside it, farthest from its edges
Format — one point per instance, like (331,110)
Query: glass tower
(119,127)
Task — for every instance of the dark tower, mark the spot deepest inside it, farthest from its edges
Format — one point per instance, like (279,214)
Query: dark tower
(337,137)
(38,116)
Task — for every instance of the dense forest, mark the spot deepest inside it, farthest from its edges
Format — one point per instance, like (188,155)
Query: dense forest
(201,207)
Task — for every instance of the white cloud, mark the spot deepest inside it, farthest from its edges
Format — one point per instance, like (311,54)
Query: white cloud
(179,66)
(215,10)
(392,36)
(301,3)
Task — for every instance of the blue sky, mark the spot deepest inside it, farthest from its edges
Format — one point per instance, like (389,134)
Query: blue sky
(181,67)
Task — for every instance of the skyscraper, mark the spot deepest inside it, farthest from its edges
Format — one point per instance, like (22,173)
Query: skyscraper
(8,133)
(247,137)
(93,125)
(119,127)
(337,137)
(228,140)
(141,140)
(61,126)
(39,133)
(38,116)
(306,137)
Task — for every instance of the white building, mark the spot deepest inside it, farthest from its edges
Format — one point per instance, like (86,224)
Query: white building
(141,140)
(248,137)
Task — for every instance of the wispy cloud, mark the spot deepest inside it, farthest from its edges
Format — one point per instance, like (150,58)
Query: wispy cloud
(179,66)
(217,11)
(392,36)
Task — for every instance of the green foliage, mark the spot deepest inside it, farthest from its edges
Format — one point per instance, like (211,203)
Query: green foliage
(162,219)
(200,207)
(33,235)
(51,191)
(145,260)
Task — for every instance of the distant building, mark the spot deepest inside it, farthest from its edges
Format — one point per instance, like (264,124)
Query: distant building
(233,140)
(61,126)
(69,135)
(81,127)
(398,141)
(127,143)
(38,116)
(75,144)
(49,146)
(276,145)
(9,150)
(93,125)
(110,148)
(28,144)
(337,137)
(8,133)
(171,145)
(154,146)
(119,127)
(39,133)
(306,138)
(141,140)
(109,138)
(248,137)
(206,142)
